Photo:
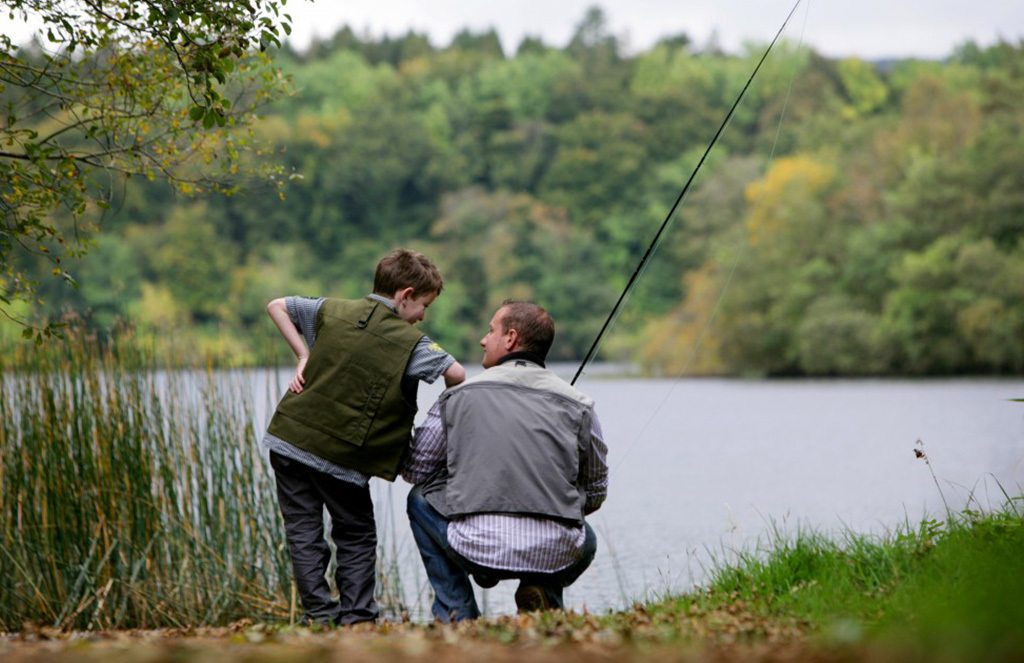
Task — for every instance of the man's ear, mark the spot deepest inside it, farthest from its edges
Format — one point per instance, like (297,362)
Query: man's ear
(512,341)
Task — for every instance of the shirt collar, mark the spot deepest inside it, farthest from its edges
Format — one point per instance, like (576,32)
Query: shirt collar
(522,356)
(384,300)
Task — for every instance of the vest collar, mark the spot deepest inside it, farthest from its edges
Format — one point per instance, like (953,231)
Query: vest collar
(522,358)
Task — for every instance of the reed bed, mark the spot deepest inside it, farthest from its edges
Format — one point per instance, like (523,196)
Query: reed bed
(133,497)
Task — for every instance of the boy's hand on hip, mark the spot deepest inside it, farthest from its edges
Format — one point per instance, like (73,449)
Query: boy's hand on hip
(296,384)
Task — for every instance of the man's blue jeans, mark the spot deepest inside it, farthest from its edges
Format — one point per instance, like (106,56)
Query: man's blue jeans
(448,571)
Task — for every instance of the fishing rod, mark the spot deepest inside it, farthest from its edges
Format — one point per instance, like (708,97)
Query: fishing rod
(668,217)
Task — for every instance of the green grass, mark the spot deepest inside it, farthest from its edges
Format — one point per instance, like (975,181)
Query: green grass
(965,597)
(946,589)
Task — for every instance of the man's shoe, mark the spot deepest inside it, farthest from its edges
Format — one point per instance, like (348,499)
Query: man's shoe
(531,598)
(484,580)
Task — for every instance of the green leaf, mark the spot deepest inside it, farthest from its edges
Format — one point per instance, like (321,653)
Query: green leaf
(196,113)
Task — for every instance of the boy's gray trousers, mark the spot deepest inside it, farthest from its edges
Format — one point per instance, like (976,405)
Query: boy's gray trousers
(302,494)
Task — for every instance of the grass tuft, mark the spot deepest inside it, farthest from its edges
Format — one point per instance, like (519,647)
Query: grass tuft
(946,588)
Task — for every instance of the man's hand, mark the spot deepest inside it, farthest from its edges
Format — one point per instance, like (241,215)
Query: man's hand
(297,381)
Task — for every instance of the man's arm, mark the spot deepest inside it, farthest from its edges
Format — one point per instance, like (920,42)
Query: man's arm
(428,449)
(594,469)
(278,311)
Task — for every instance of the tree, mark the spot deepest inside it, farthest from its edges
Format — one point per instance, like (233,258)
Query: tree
(677,344)
(486,43)
(837,338)
(157,88)
(193,264)
(532,252)
(792,248)
(864,89)
(598,159)
(606,72)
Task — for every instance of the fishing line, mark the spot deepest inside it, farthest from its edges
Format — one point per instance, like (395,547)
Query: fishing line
(735,263)
(741,245)
(668,217)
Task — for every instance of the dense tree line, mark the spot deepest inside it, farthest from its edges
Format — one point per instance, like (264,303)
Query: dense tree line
(855,218)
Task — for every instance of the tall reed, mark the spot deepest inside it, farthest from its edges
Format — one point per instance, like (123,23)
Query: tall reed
(133,496)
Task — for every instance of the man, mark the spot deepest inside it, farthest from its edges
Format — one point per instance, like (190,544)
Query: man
(506,466)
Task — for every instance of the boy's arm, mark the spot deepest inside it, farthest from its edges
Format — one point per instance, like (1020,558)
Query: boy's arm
(429,361)
(278,311)
(455,374)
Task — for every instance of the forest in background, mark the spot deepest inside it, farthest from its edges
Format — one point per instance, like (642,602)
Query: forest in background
(855,218)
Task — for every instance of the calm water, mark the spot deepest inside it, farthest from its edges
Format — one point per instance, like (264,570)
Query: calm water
(700,468)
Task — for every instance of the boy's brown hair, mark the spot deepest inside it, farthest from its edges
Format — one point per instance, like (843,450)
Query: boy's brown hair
(403,268)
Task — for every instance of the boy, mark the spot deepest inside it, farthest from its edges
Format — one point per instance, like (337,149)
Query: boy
(348,414)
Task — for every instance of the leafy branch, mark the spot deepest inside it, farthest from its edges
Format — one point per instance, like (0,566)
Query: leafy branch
(161,89)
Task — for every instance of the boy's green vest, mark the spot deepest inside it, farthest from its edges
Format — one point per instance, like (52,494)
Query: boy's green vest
(355,409)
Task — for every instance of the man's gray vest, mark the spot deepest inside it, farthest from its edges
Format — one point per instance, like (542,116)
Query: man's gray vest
(355,409)
(515,435)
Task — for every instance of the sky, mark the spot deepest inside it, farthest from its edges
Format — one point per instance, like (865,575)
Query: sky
(870,29)
(865,28)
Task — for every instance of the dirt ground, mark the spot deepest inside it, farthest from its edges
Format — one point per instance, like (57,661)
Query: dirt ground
(519,638)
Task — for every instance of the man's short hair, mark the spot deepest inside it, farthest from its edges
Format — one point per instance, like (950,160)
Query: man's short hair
(534,324)
(404,268)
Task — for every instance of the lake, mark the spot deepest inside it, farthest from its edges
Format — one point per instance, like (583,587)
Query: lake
(700,468)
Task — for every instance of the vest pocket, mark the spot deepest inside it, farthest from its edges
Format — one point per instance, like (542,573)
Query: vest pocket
(347,420)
